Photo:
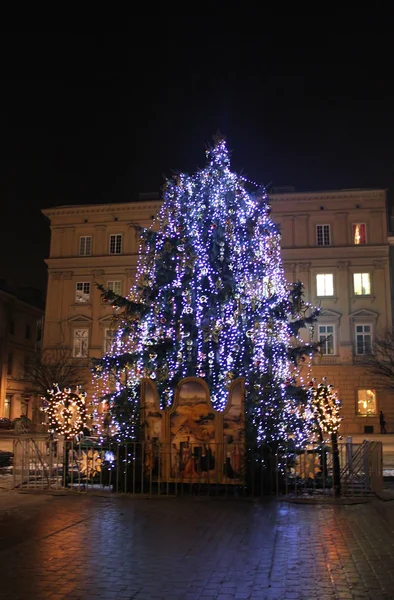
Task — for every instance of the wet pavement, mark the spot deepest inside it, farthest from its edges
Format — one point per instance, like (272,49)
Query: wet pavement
(86,547)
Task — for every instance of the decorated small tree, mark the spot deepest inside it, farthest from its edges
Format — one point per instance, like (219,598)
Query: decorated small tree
(326,408)
(67,416)
(66,411)
(210,301)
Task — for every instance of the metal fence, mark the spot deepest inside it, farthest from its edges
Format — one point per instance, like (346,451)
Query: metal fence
(217,469)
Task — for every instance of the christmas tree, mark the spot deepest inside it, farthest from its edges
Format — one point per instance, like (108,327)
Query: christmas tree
(326,408)
(210,301)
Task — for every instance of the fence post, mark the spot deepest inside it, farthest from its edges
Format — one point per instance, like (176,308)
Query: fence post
(14,441)
(366,451)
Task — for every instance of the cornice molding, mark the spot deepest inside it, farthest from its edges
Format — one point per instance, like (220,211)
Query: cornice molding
(98,209)
(329,195)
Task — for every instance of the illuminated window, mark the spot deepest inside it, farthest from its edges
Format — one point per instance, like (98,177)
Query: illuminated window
(80,345)
(115,287)
(115,243)
(325,284)
(359,233)
(82,292)
(366,402)
(7,407)
(323,237)
(108,340)
(85,245)
(363,339)
(362,284)
(327,339)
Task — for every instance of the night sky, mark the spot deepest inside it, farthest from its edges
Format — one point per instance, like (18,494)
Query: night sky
(90,119)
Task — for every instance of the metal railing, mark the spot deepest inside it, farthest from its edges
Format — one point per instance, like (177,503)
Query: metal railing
(147,468)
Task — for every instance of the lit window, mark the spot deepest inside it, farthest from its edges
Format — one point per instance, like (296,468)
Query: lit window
(363,339)
(82,292)
(115,243)
(323,237)
(85,245)
(108,340)
(327,339)
(80,345)
(359,233)
(325,284)
(362,284)
(115,287)
(366,402)
(7,407)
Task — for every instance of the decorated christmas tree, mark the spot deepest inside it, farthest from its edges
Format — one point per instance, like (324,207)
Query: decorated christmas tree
(326,408)
(210,301)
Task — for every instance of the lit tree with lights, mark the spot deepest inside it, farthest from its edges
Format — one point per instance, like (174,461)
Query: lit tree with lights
(67,416)
(210,301)
(326,408)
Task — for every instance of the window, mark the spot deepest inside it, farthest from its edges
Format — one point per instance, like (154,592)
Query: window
(363,339)
(115,243)
(366,403)
(26,365)
(27,332)
(85,245)
(115,287)
(39,329)
(82,293)
(362,284)
(12,327)
(323,235)
(7,407)
(325,284)
(327,339)
(80,346)
(9,364)
(359,234)
(108,340)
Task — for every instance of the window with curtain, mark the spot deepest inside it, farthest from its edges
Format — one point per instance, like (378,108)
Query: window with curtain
(362,284)
(359,233)
(366,403)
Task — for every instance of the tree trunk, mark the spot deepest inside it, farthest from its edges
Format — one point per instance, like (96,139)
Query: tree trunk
(66,462)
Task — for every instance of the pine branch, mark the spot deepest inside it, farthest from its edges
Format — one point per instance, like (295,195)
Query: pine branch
(129,307)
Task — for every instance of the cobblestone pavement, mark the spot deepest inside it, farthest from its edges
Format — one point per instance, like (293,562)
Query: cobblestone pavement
(84,547)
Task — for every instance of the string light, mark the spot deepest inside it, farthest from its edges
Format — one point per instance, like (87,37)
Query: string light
(67,414)
(326,406)
(211,301)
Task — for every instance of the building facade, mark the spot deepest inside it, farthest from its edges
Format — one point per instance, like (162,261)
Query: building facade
(89,244)
(20,335)
(335,242)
